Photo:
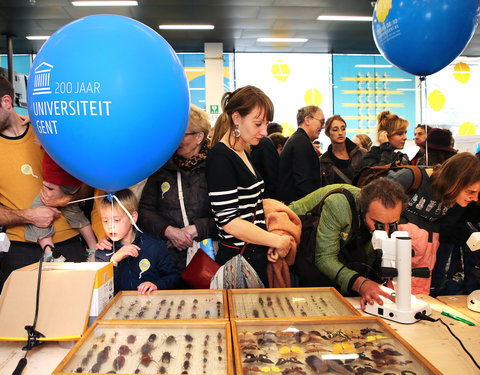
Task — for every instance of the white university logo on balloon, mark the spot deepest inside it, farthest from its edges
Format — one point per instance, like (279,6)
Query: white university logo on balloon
(109,115)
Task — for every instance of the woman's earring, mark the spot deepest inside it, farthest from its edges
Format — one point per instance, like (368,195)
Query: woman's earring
(236,131)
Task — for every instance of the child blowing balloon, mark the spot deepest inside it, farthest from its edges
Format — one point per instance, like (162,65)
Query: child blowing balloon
(141,262)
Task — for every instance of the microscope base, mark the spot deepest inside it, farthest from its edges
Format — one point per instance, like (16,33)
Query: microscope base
(390,311)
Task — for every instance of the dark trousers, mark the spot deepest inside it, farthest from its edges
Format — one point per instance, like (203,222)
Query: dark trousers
(22,254)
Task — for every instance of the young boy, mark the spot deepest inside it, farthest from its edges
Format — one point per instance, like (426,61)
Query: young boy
(140,261)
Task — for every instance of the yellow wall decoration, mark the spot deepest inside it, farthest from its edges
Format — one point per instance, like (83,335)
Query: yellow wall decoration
(436,100)
(461,72)
(280,70)
(382,9)
(288,129)
(467,128)
(313,97)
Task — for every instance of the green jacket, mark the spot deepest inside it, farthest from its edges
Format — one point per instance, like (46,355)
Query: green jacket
(334,229)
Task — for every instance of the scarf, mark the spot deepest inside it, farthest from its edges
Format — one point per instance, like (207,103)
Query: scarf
(190,163)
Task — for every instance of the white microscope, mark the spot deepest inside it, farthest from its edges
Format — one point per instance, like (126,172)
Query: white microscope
(473,242)
(397,265)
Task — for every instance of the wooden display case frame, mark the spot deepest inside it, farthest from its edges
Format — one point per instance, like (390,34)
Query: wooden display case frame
(247,325)
(271,292)
(158,294)
(165,324)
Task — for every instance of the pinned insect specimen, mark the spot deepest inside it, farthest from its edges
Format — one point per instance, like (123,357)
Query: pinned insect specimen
(188,338)
(170,340)
(166,357)
(294,371)
(146,359)
(316,364)
(249,357)
(102,357)
(152,337)
(118,362)
(146,348)
(96,368)
(123,350)
(131,339)
(282,361)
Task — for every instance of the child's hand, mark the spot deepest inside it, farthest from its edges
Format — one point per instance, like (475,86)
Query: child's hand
(104,244)
(130,250)
(146,288)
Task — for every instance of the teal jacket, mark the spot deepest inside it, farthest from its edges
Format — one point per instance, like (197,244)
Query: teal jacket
(334,229)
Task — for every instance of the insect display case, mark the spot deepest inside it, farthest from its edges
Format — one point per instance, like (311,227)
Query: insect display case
(283,303)
(165,347)
(333,345)
(168,304)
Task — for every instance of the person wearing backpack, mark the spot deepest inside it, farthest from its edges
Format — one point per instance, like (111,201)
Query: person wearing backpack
(391,136)
(443,191)
(341,253)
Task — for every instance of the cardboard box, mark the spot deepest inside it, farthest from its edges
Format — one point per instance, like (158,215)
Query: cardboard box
(71,297)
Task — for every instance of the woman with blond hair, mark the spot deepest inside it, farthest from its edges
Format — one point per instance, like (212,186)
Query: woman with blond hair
(391,136)
(181,179)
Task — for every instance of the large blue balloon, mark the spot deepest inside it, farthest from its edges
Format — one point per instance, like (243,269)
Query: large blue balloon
(108,99)
(422,37)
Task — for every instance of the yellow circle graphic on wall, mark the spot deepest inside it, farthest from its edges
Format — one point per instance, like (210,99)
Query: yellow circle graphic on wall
(382,9)
(461,72)
(280,70)
(467,128)
(436,100)
(288,129)
(313,97)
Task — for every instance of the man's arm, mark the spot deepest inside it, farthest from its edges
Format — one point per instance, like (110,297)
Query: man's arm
(41,216)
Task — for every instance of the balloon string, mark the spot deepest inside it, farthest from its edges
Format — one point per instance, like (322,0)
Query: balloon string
(110,196)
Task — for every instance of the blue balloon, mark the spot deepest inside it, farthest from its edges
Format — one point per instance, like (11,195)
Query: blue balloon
(422,37)
(108,99)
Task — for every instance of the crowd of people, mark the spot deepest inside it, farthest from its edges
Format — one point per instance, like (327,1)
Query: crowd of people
(217,187)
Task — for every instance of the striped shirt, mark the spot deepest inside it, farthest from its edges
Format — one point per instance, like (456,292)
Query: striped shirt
(234,191)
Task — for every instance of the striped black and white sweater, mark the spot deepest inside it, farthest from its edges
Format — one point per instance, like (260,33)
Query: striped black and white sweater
(234,191)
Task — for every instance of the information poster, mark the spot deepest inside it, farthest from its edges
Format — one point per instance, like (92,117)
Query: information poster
(364,86)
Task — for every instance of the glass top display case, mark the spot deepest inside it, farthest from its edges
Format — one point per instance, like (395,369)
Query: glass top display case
(339,345)
(166,347)
(167,304)
(291,302)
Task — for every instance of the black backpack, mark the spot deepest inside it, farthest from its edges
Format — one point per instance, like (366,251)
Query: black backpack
(351,254)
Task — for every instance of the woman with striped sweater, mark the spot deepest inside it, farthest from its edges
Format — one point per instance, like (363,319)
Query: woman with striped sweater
(235,186)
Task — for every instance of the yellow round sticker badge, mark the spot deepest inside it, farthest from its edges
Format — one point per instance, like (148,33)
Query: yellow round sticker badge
(165,187)
(143,265)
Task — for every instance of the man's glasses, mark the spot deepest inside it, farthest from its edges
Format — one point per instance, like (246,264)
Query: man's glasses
(322,120)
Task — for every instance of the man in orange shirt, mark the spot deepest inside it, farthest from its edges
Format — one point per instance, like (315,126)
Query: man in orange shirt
(21,180)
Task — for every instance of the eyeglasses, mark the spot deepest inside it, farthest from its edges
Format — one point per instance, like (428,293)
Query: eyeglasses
(191,133)
(322,121)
